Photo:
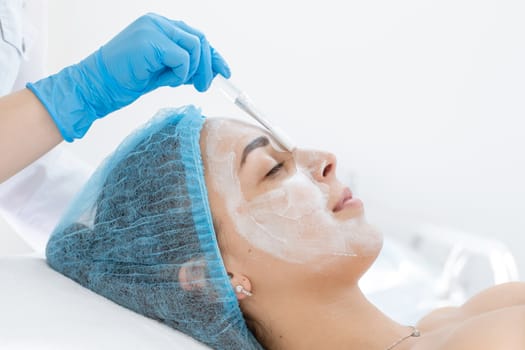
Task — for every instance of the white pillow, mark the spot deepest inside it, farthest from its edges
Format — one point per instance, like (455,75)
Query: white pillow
(42,309)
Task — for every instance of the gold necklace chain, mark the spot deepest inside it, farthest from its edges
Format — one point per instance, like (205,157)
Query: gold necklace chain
(415,333)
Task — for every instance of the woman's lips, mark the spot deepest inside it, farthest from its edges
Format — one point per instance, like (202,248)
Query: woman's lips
(347,201)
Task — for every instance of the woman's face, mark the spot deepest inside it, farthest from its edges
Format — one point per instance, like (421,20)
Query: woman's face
(287,206)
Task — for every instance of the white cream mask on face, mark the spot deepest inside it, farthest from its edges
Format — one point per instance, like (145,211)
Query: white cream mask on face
(293,221)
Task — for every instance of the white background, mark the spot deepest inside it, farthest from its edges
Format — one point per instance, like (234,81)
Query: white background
(421,100)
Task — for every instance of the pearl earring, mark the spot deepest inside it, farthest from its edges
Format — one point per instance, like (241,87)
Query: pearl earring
(240,289)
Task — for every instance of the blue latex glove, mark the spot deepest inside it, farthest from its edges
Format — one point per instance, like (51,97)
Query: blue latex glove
(151,52)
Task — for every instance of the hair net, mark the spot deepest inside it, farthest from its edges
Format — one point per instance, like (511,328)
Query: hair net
(142,216)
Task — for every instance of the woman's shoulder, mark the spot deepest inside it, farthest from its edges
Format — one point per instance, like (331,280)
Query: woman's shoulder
(490,299)
(493,319)
(497,297)
(497,329)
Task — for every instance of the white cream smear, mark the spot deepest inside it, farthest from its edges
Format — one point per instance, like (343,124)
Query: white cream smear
(293,221)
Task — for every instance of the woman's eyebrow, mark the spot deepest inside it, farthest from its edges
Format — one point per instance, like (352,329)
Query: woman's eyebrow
(260,141)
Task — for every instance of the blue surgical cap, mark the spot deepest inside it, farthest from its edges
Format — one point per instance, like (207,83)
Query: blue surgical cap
(142,216)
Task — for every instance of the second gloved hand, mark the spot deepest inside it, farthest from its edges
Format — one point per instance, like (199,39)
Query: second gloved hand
(151,52)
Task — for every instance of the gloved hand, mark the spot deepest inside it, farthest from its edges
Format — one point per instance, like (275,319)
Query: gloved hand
(151,52)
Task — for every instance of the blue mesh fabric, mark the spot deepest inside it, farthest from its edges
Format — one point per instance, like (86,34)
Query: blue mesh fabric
(142,215)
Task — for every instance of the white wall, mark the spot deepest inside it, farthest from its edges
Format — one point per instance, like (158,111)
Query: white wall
(421,99)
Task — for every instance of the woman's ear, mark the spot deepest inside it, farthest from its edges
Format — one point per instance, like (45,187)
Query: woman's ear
(192,274)
(241,285)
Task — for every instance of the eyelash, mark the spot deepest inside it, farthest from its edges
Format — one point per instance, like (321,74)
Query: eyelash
(275,169)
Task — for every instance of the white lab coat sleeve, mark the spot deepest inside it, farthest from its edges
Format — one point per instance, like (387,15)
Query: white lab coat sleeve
(32,201)
(12,45)
(35,43)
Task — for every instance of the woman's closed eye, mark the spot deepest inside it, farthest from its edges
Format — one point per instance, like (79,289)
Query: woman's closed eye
(275,170)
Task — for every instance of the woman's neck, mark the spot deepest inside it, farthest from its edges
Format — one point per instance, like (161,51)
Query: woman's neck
(344,321)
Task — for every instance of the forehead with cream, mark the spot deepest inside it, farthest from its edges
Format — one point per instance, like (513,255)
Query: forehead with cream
(291,221)
(225,136)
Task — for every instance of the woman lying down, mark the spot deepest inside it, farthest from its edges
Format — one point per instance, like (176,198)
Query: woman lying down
(207,225)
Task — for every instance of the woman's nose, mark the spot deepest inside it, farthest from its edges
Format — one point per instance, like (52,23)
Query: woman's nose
(320,164)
